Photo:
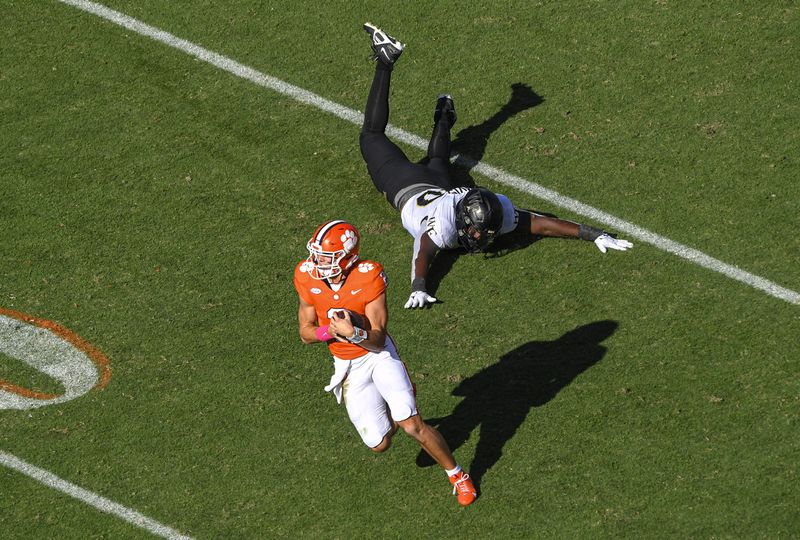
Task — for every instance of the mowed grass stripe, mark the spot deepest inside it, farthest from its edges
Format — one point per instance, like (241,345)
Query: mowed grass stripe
(92,499)
(503,177)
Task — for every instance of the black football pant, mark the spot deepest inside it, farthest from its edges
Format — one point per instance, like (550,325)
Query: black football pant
(391,171)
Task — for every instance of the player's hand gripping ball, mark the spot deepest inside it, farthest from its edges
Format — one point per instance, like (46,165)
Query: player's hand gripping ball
(341,329)
(357,319)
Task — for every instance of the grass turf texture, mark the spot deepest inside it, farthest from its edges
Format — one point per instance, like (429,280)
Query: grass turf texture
(156,206)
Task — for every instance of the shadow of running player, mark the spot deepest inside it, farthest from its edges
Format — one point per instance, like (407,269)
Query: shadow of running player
(499,397)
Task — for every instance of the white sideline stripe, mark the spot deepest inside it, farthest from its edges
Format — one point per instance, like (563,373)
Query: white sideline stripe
(92,499)
(526,186)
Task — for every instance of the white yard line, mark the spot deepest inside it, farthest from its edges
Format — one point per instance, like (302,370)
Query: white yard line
(355,117)
(92,499)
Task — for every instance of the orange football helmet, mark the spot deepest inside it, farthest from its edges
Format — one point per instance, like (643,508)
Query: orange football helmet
(333,249)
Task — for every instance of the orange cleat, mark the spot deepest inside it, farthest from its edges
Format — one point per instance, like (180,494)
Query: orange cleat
(462,486)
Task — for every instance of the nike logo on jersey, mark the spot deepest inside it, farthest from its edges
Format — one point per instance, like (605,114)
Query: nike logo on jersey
(315,290)
(355,291)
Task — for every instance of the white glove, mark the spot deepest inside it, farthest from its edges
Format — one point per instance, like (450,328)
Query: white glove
(606,241)
(419,299)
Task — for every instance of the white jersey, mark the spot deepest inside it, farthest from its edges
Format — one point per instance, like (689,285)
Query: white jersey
(433,211)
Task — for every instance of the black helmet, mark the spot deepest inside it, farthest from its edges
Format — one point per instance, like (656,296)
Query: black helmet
(479,214)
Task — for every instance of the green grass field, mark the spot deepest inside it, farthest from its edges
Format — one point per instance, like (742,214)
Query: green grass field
(156,206)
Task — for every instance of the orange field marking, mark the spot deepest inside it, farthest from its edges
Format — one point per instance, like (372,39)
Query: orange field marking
(24,392)
(66,334)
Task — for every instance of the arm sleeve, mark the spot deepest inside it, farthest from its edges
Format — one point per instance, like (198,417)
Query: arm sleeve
(510,215)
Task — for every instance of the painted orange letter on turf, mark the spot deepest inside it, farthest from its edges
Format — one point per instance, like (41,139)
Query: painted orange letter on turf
(53,350)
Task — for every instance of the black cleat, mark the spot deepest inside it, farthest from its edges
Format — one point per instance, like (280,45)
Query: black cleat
(387,49)
(446,107)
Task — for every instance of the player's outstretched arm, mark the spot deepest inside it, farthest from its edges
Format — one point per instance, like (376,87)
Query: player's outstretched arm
(424,252)
(539,225)
(605,241)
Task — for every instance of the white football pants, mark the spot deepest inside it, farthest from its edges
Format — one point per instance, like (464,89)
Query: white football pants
(377,386)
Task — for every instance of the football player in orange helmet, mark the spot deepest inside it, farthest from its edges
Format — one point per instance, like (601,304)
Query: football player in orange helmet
(333,245)
(343,304)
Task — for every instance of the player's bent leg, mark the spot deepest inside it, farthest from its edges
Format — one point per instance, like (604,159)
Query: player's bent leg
(430,440)
(439,146)
(388,166)
(386,442)
(377,150)
(366,407)
(392,381)
(376,112)
(384,445)
(434,444)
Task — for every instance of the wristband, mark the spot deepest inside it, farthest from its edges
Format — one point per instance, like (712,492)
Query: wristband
(322,333)
(359,335)
(587,232)
(418,284)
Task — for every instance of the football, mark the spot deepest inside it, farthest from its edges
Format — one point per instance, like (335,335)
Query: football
(357,319)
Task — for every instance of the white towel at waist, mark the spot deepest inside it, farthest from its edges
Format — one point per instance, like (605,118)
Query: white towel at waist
(340,369)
